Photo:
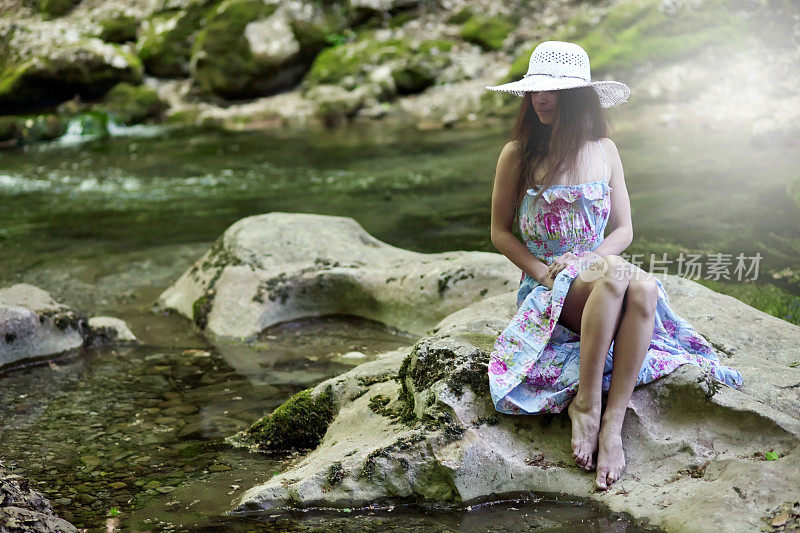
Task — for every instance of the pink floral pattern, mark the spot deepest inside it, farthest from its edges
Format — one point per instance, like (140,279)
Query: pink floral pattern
(534,365)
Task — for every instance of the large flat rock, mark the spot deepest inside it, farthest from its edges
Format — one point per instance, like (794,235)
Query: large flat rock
(275,267)
(418,423)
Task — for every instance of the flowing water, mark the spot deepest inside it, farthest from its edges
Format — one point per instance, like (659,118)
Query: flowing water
(132,437)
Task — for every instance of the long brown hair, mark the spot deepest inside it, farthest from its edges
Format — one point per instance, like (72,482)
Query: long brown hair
(579,118)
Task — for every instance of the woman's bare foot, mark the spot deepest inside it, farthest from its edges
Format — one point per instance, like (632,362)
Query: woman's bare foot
(610,458)
(585,427)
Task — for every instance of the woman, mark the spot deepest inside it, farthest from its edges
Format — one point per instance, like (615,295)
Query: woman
(587,320)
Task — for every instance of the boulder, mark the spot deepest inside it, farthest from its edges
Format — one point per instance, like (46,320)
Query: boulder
(46,63)
(418,423)
(165,38)
(111,329)
(275,267)
(35,326)
(249,48)
(132,104)
(386,66)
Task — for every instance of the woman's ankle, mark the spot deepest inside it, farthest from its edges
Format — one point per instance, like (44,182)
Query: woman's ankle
(586,402)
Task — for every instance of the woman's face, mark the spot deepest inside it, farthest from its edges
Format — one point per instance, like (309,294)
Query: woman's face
(545,103)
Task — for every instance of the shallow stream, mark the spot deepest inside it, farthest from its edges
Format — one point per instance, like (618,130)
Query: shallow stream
(132,437)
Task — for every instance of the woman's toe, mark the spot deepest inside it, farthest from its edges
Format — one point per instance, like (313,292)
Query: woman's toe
(601,480)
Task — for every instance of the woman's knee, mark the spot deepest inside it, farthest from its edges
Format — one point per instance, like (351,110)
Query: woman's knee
(642,295)
(614,278)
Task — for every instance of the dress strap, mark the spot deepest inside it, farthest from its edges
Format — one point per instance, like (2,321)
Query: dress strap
(604,158)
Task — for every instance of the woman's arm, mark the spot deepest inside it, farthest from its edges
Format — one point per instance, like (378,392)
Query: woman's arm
(619,220)
(503,207)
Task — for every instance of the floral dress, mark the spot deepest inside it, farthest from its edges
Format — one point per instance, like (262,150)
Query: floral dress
(533,367)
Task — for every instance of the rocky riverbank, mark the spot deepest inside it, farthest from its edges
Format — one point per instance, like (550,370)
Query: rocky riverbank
(23,509)
(418,422)
(264,64)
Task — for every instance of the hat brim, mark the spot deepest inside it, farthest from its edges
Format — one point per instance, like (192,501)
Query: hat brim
(611,93)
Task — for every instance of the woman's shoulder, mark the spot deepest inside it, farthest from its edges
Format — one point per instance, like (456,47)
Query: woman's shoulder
(512,148)
(512,152)
(608,145)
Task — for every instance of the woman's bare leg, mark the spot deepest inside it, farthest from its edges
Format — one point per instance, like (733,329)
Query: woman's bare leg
(596,323)
(630,347)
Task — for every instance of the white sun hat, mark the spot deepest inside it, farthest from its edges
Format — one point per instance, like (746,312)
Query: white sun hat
(558,65)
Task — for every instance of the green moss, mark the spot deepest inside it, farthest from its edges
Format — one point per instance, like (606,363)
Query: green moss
(487,32)
(300,422)
(368,381)
(222,61)
(187,117)
(119,29)
(202,307)
(56,8)
(457,275)
(11,79)
(337,62)
(415,67)
(165,44)
(132,104)
(461,16)
(406,413)
(335,475)
(26,85)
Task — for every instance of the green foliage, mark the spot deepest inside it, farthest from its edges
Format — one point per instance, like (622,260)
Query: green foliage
(487,32)
(770,456)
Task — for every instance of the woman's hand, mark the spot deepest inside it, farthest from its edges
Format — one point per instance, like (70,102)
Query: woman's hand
(560,263)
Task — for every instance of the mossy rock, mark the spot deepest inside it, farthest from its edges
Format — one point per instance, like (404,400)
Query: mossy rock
(415,67)
(26,129)
(487,32)
(300,422)
(637,32)
(132,104)
(53,77)
(119,29)
(222,62)
(165,42)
